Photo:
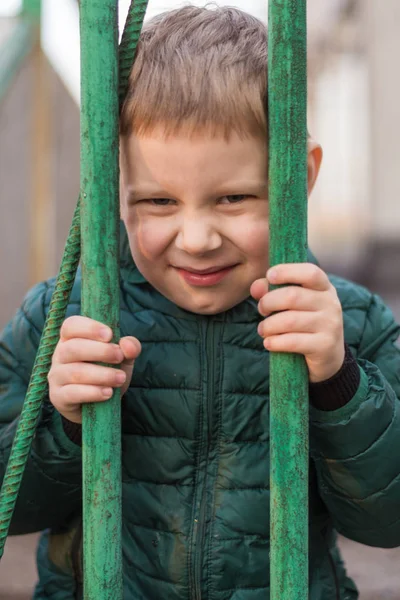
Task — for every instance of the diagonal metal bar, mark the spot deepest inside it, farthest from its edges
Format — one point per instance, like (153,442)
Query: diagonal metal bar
(37,389)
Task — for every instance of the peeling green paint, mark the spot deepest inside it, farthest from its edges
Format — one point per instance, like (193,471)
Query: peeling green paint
(287,104)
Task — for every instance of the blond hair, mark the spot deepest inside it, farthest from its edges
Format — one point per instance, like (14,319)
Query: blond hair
(196,70)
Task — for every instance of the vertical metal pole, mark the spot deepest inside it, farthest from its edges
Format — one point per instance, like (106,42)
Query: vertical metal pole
(287,91)
(100,292)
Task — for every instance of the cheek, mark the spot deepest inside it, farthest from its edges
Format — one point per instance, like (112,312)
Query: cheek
(252,235)
(149,236)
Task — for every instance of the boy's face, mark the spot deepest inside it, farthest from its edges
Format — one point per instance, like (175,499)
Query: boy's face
(196,213)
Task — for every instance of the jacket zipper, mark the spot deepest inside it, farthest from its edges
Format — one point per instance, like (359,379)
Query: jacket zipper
(199,543)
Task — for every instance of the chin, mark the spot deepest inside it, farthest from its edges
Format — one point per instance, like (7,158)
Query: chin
(209,308)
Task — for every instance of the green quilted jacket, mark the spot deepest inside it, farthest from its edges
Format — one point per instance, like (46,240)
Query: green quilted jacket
(196,452)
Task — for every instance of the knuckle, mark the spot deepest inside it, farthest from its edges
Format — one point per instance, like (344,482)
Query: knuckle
(67,325)
(334,321)
(291,345)
(62,352)
(56,358)
(54,400)
(293,295)
(261,306)
(107,376)
(113,354)
(50,376)
(315,274)
(338,307)
(69,396)
(290,321)
(327,343)
(75,374)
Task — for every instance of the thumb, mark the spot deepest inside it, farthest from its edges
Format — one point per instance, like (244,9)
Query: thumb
(131,349)
(259,288)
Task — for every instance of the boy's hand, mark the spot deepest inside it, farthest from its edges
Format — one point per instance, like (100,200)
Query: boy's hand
(308,320)
(74,379)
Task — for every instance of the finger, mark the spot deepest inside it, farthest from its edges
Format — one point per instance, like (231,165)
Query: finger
(72,395)
(88,374)
(82,350)
(290,298)
(289,321)
(131,348)
(298,343)
(83,327)
(304,274)
(259,288)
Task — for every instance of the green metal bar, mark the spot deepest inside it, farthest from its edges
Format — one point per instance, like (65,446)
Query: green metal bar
(13,52)
(101,435)
(287,91)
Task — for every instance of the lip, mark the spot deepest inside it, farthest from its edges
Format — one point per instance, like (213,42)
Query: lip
(206,277)
(205,271)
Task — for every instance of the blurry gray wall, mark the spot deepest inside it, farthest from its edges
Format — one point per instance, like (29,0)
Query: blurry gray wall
(381,267)
(16,130)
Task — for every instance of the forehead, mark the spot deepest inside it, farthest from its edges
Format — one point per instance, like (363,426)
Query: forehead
(192,160)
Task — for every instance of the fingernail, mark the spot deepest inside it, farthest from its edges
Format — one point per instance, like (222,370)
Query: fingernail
(120,377)
(259,329)
(105,333)
(272,275)
(107,392)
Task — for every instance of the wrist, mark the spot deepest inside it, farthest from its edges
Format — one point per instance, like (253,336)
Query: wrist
(339,389)
(72,430)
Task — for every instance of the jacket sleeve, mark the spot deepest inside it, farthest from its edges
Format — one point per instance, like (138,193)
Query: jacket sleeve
(51,487)
(356,448)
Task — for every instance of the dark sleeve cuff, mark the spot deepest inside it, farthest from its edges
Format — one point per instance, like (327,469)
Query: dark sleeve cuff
(72,430)
(339,389)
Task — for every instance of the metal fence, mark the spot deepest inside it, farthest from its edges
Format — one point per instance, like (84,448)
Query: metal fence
(101,64)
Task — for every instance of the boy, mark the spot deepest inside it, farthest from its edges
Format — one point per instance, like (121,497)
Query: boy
(194,294)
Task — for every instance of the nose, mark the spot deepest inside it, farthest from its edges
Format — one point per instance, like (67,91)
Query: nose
(197,235)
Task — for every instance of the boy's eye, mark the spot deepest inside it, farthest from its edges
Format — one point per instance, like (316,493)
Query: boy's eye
(233,198)
(160,201)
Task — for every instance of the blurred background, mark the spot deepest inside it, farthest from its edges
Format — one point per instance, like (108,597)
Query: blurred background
(354,216)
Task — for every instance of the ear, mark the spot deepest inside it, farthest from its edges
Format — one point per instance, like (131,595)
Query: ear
(313,163)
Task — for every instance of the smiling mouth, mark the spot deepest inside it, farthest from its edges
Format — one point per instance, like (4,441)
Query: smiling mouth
(208,271)
(205,277)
